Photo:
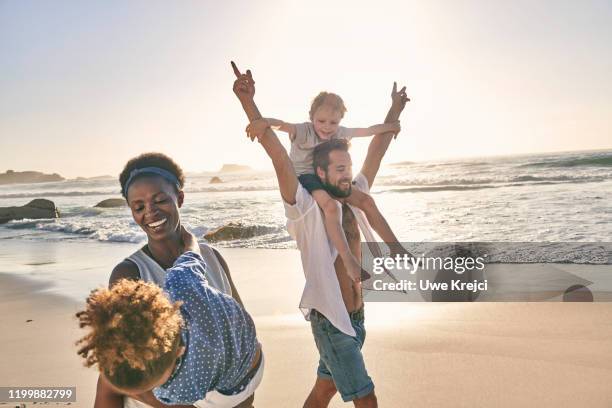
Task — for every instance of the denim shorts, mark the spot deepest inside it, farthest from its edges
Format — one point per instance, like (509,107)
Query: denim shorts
(340,356)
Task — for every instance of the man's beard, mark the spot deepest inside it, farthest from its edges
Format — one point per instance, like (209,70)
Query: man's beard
(337,191)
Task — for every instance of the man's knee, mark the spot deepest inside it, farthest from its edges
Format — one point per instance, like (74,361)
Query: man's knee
(321,394)
(326,388)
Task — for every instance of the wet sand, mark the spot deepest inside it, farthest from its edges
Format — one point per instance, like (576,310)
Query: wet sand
(418,354)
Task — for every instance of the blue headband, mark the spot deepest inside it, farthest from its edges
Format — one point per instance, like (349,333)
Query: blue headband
(151,171)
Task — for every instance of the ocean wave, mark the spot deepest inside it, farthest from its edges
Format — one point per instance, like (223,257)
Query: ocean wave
(421,182)
(115,192)
(555,252)
(26,223)
(115,231)
(47,194)
(134,237)
(229,189)
(66,227)
(428,189)
(478,183)
(582,253)
(455,164)
(434,188)
(118,230)
(416,186)
(569,179)
(604,160)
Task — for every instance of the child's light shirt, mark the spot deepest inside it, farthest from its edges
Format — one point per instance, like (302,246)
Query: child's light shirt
(303,143)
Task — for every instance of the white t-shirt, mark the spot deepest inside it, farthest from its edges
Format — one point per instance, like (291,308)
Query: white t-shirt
(322,290)
(303,143)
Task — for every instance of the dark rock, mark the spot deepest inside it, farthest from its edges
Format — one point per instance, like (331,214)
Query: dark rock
(215,180)
(111,203)
(35,209)
(237,230)
(41,204)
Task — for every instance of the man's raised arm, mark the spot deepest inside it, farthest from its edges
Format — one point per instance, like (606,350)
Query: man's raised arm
(380,143)
(244,88)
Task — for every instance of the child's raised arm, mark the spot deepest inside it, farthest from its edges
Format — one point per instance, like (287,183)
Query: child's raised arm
(376,129)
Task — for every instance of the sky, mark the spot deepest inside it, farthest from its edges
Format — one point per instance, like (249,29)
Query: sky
(86,85)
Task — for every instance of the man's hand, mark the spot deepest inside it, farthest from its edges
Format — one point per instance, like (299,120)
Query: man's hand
(244,88)
(257,128)
(244,85)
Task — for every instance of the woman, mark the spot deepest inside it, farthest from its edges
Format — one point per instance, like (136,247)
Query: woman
(152,185)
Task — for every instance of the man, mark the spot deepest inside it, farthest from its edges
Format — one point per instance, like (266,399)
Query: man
(332,301)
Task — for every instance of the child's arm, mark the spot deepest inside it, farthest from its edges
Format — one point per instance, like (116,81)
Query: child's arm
(257,128)
(277,124)
(376,129)
(108,397)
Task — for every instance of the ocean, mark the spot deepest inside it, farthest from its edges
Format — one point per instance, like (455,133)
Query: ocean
(554,197)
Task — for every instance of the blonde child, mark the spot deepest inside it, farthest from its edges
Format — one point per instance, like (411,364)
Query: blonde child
(326,112)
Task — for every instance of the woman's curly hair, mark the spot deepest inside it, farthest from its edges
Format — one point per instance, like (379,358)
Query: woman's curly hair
(151,160)
(134,332)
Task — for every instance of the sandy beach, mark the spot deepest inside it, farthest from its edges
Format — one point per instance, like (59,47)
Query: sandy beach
(418,354)
(474,132)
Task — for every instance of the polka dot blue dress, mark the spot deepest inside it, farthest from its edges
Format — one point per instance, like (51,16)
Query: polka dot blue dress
(219,336)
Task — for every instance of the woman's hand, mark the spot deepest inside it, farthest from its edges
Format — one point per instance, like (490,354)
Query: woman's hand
(190,242)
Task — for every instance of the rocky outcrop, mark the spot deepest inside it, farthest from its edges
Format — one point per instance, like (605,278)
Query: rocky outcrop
(237,230)
(215,180)
(35,209)
(227,168)
(111,203)
(11,177)
(94,178)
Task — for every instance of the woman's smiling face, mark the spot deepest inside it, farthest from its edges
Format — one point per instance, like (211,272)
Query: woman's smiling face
(155,206)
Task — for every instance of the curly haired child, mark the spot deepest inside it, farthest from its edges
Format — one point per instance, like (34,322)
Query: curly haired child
(185,344)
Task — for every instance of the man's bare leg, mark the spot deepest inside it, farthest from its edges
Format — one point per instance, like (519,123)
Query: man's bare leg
(324,390)
(369,401)
(322,393)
